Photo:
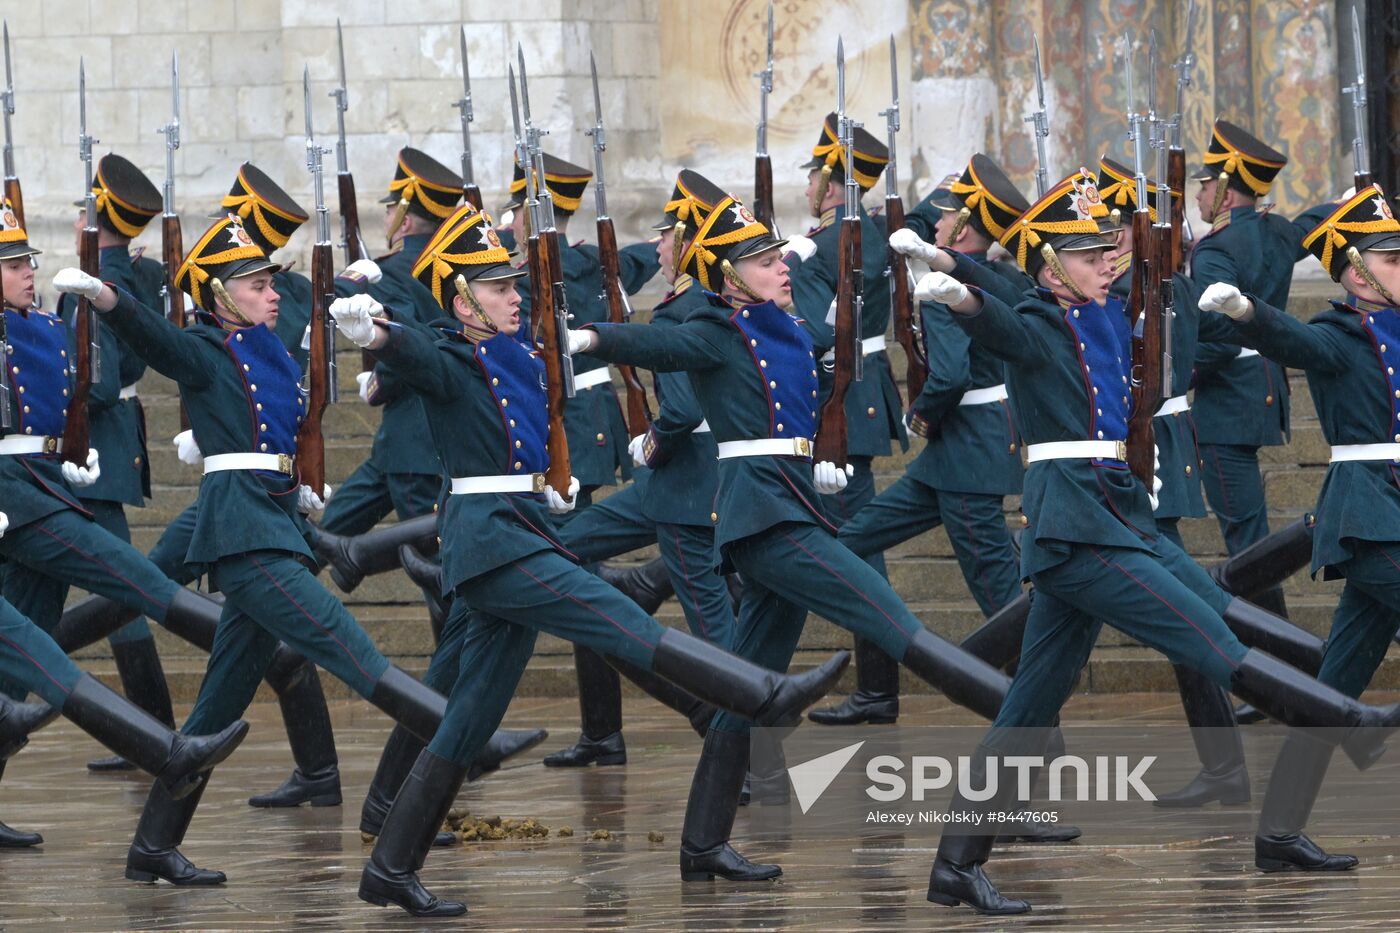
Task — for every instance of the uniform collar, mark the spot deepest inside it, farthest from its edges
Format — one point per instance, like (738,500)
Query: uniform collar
(681,285)
(1364,306)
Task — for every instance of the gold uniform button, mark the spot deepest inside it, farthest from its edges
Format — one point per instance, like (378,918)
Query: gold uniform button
(753,343)
(714,516)
(772,384)
(512,422)
(505,403)
(1188,469)
(262,447)
(253,387)
(870,412)
(238,337)
(780,425)
(137,461)
(262,427)
(26,409)
(1025,522)
(517,464)
(495,381)
(599,438)
(259,406)
(763,363)
(1011,448)
(746,312)
(517,445)
(245,367)
(1268,400)
(777,406)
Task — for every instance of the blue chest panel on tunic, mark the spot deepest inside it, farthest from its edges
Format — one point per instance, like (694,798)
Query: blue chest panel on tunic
(1383,327)
(1103,342)
(272,383)
(782,355)
(516,377)
(38,364)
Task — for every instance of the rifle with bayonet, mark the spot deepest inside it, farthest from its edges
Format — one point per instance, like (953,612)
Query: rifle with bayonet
(172,250)
(13,194)
(320,334)
(352,241)
(762,163)
(470,191)
(619,309)
(1144,305)
(906,324)
(850,277)
(1040,121)
(1176,155)
(550,307)
(1360,146)
(87,363)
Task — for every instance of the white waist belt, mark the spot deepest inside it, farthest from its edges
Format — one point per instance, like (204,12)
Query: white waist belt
(594,377)
(1342,453)
(767,447)
(1245,353)
(1175,405)
(701,428)
(473,485)
(277,463)
(127,391)
(867,346)
(984,396)
(1077,450)
(30,444)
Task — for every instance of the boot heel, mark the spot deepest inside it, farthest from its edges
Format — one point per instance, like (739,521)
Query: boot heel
(697,876)
(1273,865)
(374,899)
(326,800)
(1234,800)
(617,758)
(145,877)
(947,900)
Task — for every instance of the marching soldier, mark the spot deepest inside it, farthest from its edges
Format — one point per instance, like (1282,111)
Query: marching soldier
(754,371)
(1241,401)
(872,405)
(250,533)
(1349,353)
(971,458)
(1091,548)
(484,391)
(126,203)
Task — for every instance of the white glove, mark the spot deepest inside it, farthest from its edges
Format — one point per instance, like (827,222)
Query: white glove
(1225,298)
(367,268)
(557,503)
(83,476)
(634,447)
(581,341)
(77,282)
(803,247)
(187,449)
(940,287)
(363,379)
(1156,480)
(909,243)
(4,523)
(355,318)
(308,501)
(829,478)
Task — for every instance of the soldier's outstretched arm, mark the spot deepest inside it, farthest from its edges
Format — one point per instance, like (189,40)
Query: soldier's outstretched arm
(699,343)
(413,356)
(1008,334)
(1288,341)
(636,266)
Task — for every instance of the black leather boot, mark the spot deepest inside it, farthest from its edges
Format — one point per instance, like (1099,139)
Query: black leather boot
(1260,628)
(742,687)
(1297,700)
(766,781)
(427,574)
(600,711)
(1293,788)
(696,711)
(503,744)
(17,720)
(409,702)
(179,762)
(647,585)
(1211,716)
(400,752)
(391,874)
(998,640)
(316,778)
(966,680)
(353,558)
(957,876)
(154,853)
(143,682)
(90,620)
(710,811)
(11,838)
(1267,562)
(876,698)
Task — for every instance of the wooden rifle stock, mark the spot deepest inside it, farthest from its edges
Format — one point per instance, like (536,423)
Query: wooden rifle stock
(763,190)
(16,198)
(1176,181)
(172,253)
(311,443)
(902,305)
(472,195)
(75,428)
(638,417)
(831,434)
(546,270)
(1144,304)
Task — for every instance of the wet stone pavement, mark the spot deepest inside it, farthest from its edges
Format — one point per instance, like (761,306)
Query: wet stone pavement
(299,869)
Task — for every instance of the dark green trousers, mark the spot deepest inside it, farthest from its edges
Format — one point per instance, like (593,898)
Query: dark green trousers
(112,516)
(174,543)
(30,661)
(494,620)
(271,597)
(369,494)
(1235,490)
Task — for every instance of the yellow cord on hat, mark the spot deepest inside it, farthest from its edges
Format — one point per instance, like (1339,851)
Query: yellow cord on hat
(106,201)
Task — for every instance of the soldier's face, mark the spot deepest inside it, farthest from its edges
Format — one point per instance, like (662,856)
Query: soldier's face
(665,254)
(1384,266)
(255,297)
(17,278)
(1091,270)
(767,275)
(501,302)
(1205,199)
(517,228)
(943,228)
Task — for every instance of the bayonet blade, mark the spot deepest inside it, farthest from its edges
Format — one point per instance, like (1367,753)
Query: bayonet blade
(524,84)
(9,78)
(306,105)
(600,196)
(1152,72)
(840,75)
(1039,78)
(340,52)
(514,105)
(597,99)
(467,115)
